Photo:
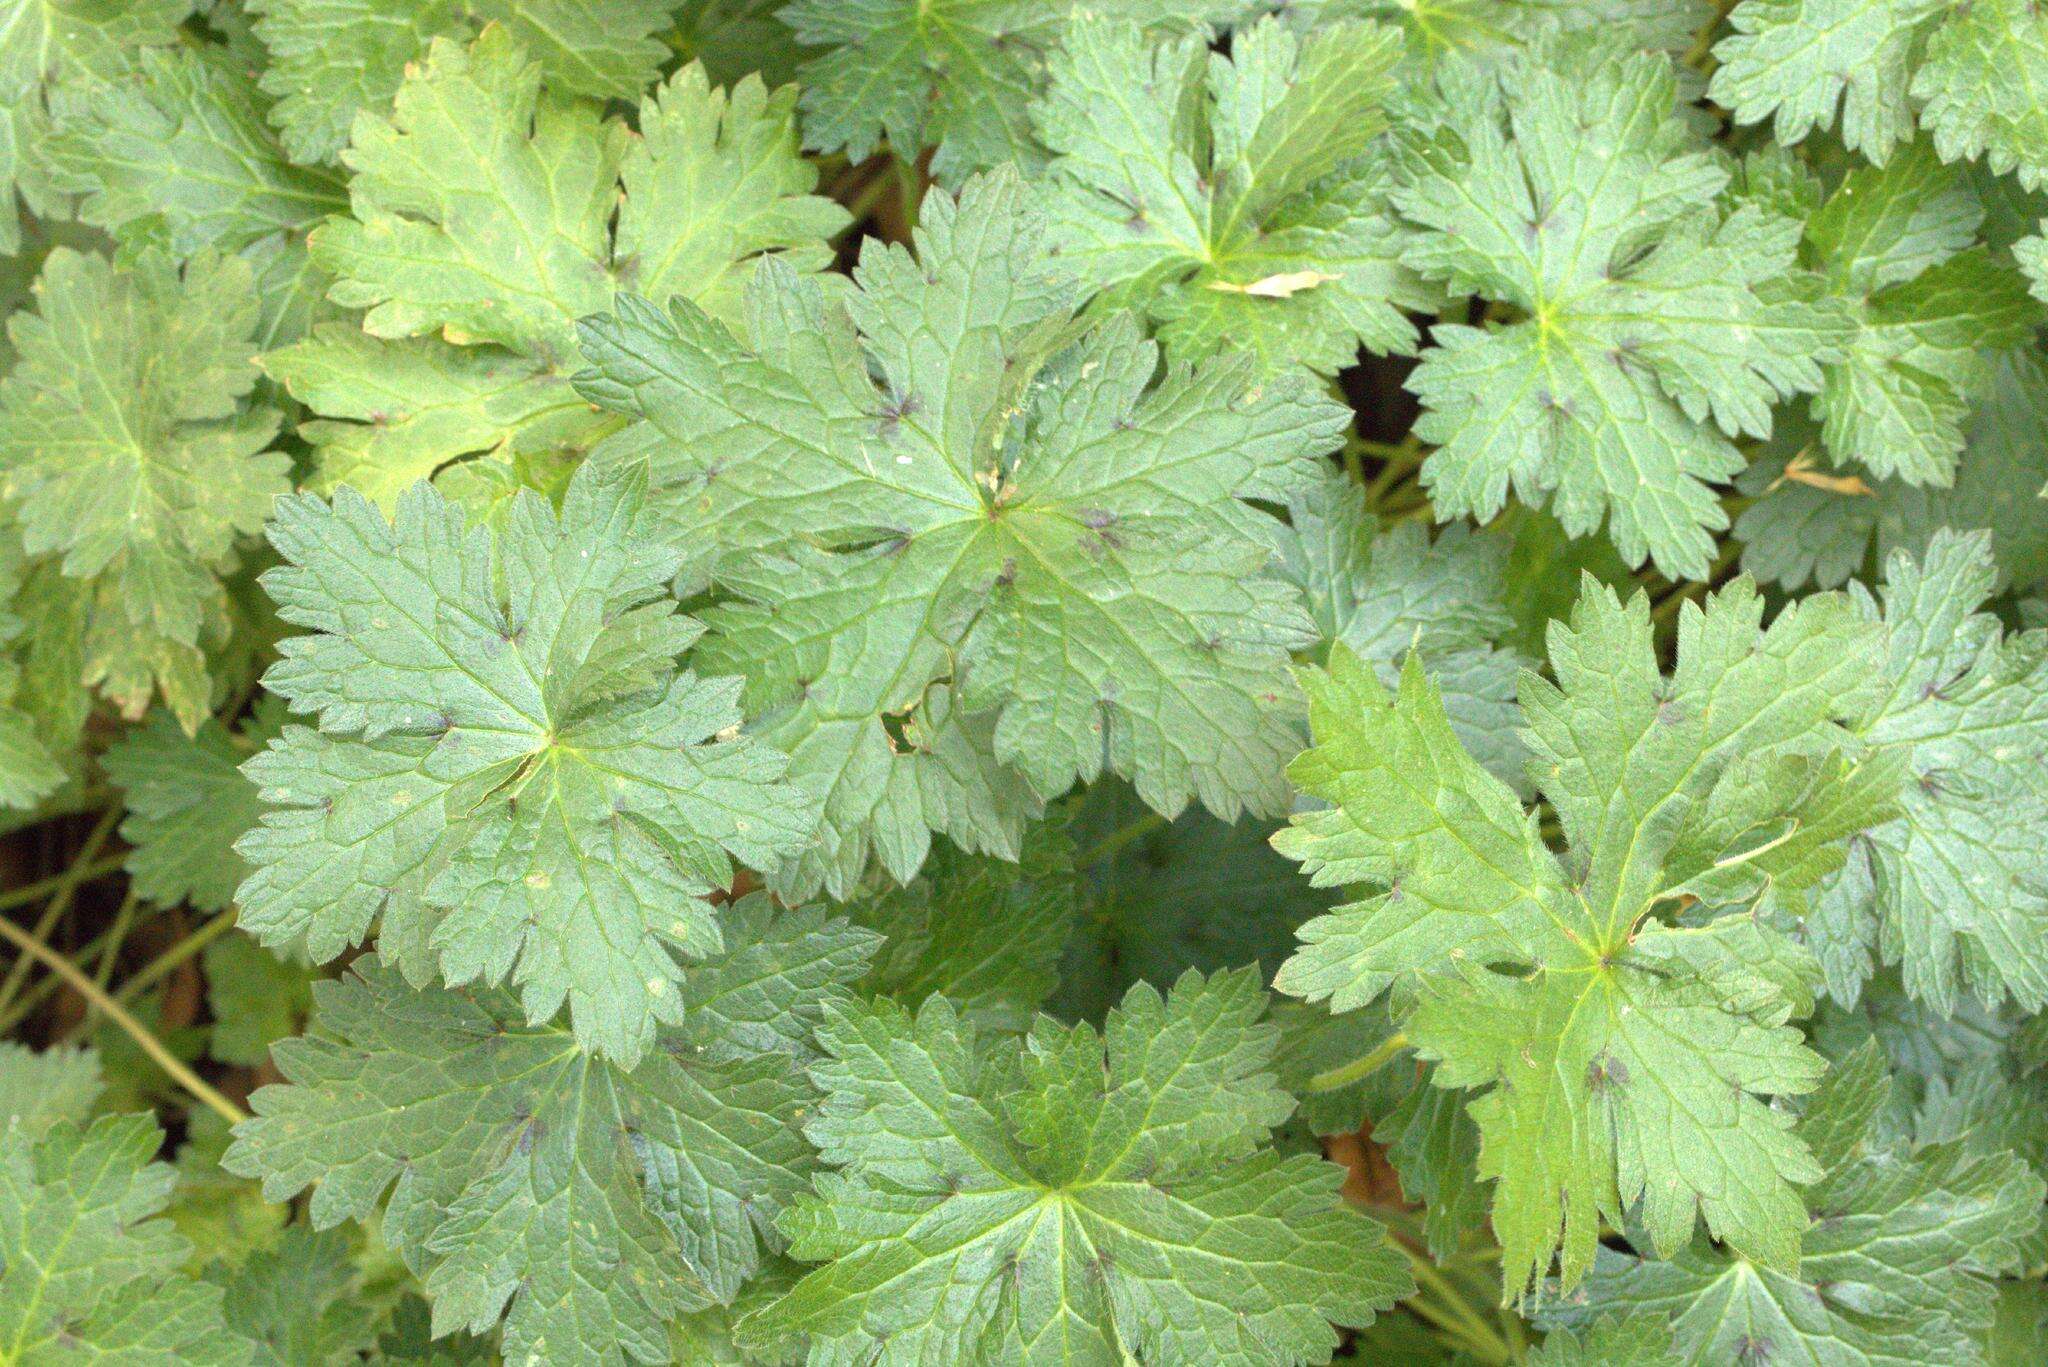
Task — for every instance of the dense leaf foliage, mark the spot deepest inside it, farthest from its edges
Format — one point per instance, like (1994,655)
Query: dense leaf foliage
(1023,681)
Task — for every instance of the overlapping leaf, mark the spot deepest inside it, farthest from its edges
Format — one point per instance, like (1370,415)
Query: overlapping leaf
(1956,890)
(985,933)
(42,41)
(1895,1269)
(1388,594)
(974,557)
(172,150)
(956,76)
(495,214)
(509,770)
(87,1271)
(1488,29)
(1234,200)
(1971,75)
(1622,1061)
(1092,1198)
(1895,245)
(586,1203)
(130,454)
(188,803)
(332,60)
(1652,321)
(1807,524)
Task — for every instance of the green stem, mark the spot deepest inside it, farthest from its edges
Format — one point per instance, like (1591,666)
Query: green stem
(43,887)
(1116,840)
(1485,1342)
(864,203)
(143,1036)
(111,942)
(178,953)
(910,185)
(157,969)
(68,884)
(1358,1070)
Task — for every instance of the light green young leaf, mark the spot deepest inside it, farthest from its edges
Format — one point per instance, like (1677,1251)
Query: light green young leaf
(333,60)
(586,1203)
(87,1273)
(1654,323)
(1235,200)
(957,76)
(972,555)
(495,214)
(1729,781)
(1971,74)
(510,769)
(129,450)
(1090,1198)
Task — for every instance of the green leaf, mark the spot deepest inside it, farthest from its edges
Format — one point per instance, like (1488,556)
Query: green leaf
(1971,74)
(957,76)
(1489,29)
(128,449)
(86,1273)
(1802,59)
(1795,531)
(1895,1267)
(1163,897)
(1979,87)
(767,992)
(410,1339)
(29,733)
(1093,1198)
(1386,594)
(1231,199)
(510,769)
(1955,890)
(985,933)
(45,40)
(298,1303)
(1555,987)
(333,60)
(176,151)
(2032,253)
(1894,244)
(1638,1340)
(1653,323)
(40,1088)
(972,556)
(256,998)
(495,214)
(188,803)
(586,1203)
